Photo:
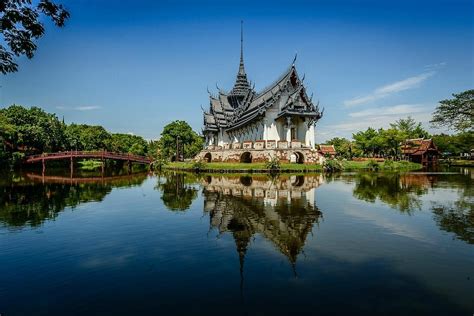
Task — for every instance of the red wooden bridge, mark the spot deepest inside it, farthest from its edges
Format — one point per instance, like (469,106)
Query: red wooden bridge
(88,154)
(103,155)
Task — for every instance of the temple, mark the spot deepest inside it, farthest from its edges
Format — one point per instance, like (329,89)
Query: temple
(277,119)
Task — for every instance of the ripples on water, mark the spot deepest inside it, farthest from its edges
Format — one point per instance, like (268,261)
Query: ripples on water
(358,243)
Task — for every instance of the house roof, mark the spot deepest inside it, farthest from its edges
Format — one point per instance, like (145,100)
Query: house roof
(327,149)
(418,146)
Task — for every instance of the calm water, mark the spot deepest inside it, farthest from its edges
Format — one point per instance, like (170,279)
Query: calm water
(352,244)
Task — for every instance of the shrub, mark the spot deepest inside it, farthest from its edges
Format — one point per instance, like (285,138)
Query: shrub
(17,158)
(373,165)
(332,165)
(388,164)
(273,164)
(198,165)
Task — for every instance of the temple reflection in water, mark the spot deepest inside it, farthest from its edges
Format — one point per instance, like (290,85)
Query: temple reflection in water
(281,210)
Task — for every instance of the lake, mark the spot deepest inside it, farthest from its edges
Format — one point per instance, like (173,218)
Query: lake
(174,243)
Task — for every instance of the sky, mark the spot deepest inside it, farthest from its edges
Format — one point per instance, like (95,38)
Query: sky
(135,66)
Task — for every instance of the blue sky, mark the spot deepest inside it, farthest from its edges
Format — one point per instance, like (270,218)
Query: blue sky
(134,66)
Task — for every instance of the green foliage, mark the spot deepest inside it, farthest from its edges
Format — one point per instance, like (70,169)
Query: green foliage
(256,166)
(454,145)
(456,113)
(373,165)
(273,164)
(386,142)
(90,164)
(17,157)
(87,137)
(388,164)
(33,129)
(180,132)
(160,162)
(127,143)
(29,131)
(343,147)
(198,165)
(21,24)
(159,159)
(333,165)
(409,128)
(365,141)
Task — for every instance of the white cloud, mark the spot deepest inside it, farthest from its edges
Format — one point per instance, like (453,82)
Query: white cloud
(380,117)
(398,110)
(79,108)
(436,66)
(385,91)
(87,108)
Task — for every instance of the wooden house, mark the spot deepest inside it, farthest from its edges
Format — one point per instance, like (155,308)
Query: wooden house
(420,150)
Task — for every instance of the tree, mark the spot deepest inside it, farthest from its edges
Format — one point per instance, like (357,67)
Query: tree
(365,141)
(454,145)
(127,143)
(20,26)
(35,130)
(87,137)
(456,113)
(409,128)
(7,131)
(181,132)
(391,139)
(342,145)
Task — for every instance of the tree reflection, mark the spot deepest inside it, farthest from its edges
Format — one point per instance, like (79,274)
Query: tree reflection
(177,191)
(400,191)
(403,192)
(457,219)
(29,200)
(458,216)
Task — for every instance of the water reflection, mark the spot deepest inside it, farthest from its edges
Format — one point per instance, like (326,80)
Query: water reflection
(384,244)
(453,209)
(178,190)
(29,199)
(282,210)
(400,191)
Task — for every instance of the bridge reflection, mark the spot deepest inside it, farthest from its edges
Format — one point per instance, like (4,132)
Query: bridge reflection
(30,199)
(79,180)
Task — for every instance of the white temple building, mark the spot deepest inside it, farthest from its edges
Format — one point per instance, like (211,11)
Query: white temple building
(281,116)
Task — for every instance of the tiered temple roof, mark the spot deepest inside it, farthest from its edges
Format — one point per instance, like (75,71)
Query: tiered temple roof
(242,105)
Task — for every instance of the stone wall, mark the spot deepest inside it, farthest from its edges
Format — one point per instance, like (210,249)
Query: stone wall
(261,152)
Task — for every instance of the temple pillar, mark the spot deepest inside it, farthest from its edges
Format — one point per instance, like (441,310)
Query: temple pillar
(289,125)
(310,137)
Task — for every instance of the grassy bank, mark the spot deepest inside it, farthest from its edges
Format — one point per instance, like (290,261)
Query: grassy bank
(90,164)
(458,163)
(243,167)
(288,167)
(395,165)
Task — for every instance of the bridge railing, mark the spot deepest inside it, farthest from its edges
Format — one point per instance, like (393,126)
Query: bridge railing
(93,154)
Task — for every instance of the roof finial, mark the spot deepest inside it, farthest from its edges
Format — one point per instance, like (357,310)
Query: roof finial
(241,68)
(294,59)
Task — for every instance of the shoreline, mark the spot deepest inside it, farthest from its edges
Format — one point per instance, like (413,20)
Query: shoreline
(216,167)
